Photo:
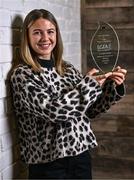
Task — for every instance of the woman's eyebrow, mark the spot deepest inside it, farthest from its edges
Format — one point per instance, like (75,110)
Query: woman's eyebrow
(38,29)
(51,29)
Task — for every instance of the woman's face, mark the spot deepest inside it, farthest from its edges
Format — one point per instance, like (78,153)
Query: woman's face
(42,38)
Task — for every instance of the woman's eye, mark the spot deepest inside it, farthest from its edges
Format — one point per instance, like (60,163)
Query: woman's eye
(36,33)
(50,32)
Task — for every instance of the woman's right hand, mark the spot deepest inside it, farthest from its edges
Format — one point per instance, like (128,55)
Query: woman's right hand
(99,78)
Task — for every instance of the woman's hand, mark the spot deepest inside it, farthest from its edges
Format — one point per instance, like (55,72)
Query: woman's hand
(99,78)
(118,75)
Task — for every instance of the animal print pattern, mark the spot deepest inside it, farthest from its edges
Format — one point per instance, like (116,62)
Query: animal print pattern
(54,112)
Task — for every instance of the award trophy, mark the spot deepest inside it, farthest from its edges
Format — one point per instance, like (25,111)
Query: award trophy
(104,47)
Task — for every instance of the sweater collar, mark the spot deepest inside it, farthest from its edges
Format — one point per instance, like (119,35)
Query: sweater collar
(49,64)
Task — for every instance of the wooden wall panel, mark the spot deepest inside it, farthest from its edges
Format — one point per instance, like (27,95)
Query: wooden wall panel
(109,14)
(108,3)
(114,129)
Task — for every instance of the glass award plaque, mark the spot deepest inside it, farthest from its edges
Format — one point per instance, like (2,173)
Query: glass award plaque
(104,47)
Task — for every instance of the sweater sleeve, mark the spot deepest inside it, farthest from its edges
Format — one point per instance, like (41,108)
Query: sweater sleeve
(36,97)
(110,95)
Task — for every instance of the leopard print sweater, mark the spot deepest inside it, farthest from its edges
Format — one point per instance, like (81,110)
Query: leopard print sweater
(54,112)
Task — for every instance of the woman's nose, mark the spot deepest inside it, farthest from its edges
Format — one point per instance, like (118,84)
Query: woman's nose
(45,36)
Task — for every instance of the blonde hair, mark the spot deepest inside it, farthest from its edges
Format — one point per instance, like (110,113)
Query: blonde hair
(28,55)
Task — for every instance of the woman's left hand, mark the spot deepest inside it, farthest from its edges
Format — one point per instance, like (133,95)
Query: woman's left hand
(118,75)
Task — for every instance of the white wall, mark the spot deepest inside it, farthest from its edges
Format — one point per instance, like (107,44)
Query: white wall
(12,13)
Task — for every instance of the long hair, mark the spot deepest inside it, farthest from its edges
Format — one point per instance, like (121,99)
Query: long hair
(28,56)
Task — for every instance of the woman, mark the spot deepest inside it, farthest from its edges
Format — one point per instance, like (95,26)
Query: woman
(54,103)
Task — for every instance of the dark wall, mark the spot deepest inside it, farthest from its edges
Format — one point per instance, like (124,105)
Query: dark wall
(114,156)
